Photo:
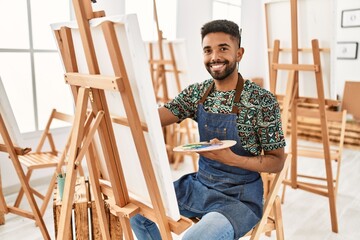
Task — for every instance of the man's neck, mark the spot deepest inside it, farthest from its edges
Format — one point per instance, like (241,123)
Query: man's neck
(228,83)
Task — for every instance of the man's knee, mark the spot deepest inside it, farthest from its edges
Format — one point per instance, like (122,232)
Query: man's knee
(213,225)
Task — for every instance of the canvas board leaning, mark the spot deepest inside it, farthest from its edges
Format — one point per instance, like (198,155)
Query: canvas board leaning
(137,67)
(9,117)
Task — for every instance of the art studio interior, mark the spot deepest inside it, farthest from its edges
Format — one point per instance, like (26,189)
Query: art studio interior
(82,148)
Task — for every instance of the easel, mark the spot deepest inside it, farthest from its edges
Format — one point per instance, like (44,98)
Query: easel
(13,153)
(158,66)
(295,67)
(92,87)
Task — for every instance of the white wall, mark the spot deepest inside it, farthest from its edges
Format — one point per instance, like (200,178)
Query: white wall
(191,16)
(346,70)
(253,40)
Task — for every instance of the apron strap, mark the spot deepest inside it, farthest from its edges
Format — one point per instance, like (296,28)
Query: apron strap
(238,90)
(202,100)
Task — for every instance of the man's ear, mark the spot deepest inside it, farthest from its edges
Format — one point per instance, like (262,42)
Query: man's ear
(240,53)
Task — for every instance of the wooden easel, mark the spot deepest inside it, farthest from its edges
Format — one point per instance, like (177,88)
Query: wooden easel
(92,87)
(158,66)
(320,100)
(13,153)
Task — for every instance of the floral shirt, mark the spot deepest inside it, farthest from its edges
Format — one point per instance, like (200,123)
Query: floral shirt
(258,118)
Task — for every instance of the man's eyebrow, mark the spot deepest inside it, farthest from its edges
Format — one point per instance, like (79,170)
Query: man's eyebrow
(224,45)
(220,45)
(206,47)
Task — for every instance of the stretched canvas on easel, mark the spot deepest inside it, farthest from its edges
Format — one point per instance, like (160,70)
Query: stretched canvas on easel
(135,60)
(315,21)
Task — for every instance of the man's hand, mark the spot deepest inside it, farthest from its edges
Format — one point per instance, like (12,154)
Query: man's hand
(271,161)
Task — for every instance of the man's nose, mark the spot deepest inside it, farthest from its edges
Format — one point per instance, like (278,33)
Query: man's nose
(215,56)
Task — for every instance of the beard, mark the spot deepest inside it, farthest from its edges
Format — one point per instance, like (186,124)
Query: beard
(221,75)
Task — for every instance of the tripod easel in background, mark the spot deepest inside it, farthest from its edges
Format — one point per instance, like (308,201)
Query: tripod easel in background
(320,101)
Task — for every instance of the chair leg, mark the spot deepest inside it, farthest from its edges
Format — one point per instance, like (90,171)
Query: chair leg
(278,219)
(284,188)
(48,194)
(21,191)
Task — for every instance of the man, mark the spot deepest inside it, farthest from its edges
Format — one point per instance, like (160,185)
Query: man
(227,192)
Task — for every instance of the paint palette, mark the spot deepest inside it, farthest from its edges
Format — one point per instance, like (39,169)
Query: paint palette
(204,146)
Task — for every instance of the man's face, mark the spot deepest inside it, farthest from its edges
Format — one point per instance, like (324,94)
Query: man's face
(221,53)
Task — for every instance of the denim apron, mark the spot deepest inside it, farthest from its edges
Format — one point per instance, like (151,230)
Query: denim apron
(234,192)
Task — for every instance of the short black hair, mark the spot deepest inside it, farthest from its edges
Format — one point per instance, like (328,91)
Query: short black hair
(224,26)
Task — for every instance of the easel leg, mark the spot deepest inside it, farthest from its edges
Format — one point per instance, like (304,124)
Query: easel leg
(71,172)
(125,224)
(99,202)
(278,219)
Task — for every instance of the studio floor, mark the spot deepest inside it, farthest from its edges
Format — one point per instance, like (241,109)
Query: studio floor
(305,215)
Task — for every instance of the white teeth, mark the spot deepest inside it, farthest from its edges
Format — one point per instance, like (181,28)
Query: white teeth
(217,66)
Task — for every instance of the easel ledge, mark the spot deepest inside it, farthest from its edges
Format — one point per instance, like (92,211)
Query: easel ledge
(135,207)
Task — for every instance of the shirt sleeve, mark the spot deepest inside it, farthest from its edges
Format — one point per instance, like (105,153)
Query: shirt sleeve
(269,124)
(184,105)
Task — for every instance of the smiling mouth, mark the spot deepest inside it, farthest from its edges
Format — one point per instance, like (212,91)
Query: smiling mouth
(217,66)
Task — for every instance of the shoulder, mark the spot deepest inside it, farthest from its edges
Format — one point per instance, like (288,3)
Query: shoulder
(258,96)
(200,86)
(196,90)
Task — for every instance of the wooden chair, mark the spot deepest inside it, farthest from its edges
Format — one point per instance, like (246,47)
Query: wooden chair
(6,145)
(44,159)
(309,120)
(272,217)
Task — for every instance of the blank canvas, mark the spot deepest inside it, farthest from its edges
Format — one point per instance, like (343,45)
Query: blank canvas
(8,117)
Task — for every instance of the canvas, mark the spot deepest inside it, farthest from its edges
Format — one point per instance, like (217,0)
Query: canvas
(9,117)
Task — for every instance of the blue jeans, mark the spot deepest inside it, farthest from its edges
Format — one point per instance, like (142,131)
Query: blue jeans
(212,226)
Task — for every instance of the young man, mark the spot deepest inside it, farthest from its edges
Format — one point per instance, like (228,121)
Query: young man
(227,191)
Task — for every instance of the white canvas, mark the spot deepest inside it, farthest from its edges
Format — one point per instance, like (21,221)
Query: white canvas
(136,63)
(9,118)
